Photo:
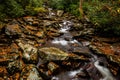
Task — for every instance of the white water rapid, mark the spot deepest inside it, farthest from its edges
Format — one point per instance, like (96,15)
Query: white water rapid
(104,71)
(66,40)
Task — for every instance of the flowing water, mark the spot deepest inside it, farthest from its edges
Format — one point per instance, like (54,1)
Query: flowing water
(66,41)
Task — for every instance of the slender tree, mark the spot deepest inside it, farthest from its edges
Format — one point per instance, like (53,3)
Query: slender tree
(80,9)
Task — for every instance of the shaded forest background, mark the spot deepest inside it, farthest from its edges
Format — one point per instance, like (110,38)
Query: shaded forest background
(104,14)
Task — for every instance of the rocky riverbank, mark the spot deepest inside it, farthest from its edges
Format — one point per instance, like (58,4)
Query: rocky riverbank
(55,46)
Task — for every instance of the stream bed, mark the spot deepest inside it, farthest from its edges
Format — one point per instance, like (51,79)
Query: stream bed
(96,67)
(56,46)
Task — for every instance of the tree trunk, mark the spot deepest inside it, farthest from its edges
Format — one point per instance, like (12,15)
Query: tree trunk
(80,9)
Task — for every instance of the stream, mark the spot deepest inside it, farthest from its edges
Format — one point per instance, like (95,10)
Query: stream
(66,43)
(55,45)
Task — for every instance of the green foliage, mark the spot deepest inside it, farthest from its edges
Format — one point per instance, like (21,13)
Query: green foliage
(2,14)
(71,6)
(13,8)
(33,6)
(56,4)
(39,9)
(105,15)
(74,9)
(17,8)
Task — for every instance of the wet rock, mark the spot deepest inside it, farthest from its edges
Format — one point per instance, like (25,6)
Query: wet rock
(78,57)
(71,64)
(15,66)
(32,28)
(86,32)
(48,23)
(83,74)
(77,27)
(108,40)
(53,32)
(107,50)
(52,53)
(82,51)
(60,13)
(53,67)
(16,76)
(30,72)
(40,41)
(13,56)
(35,23)
(30,54)
(114,58)
(3,60)
(92,71)
(113,68)
(9,53)
(40,34)
(13,30)
(6,58)
(86,43)
(3,72)
(44,72)
(28,19)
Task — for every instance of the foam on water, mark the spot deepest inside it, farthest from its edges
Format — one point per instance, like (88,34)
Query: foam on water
(60,41)
(64,29)
(73,41)
(63,42)
(70,75)
(104,71)
(74,73)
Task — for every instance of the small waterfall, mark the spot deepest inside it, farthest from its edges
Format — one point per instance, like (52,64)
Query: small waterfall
(104,71)
(67,40)
(65,26)
(74,73)
(64,30)
(70,75)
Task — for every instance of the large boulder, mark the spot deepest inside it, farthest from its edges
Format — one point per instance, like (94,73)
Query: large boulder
(82,51)
(30,54)
(52,53)
(13,30)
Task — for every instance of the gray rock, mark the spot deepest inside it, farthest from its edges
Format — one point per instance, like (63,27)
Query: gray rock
(82,51)
(30,72)
(52,53)
(13,30)
(30,54)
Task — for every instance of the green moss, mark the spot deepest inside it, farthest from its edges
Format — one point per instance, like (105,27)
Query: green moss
(39,9)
